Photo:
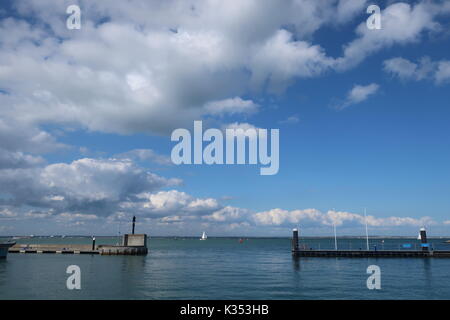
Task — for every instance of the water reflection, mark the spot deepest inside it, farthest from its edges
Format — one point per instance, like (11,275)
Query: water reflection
(428,274)
(296,263)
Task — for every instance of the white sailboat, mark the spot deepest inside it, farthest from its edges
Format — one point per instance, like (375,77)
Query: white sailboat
(204,237)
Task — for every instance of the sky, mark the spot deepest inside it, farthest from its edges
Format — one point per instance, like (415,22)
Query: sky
(86,116)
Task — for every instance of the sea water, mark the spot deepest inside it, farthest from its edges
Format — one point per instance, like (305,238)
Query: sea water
(225,268)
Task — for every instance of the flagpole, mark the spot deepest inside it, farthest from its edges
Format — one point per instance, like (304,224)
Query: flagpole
(335,237)
(367,232)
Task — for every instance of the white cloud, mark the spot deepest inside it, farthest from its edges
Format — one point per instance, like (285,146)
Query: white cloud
(425,69)
(403,68)
(66,216)
(153,66)
(282,59)
(18,159)
(7,213)
(280,216)
(18,135)
(290,120)
(145,155)
(88,186)
(443,72)
(231,106)
(35,214)
(170,203)
(402,23)
(239,125)
(358,94)
(313,217)
(93,180)
(228,214)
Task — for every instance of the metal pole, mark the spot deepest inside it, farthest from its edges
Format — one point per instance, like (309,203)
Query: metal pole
(93,243)
(335,237)
(367,232)
(134,221)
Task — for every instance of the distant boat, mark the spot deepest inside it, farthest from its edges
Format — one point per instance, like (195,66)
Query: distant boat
(4,246)
(204,237)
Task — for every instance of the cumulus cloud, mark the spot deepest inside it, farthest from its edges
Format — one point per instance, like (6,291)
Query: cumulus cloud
(281,59)
(7,213)
(171,203)
(424,69)
(443,72)
(278,217)
(358,94)
(66,216)
(239,125)
(402,23)
(145,155)
(18,135)
(231,106)
(228,214)
(151,66)
(18,159)
(92,186)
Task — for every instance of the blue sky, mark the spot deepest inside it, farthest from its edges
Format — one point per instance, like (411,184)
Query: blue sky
(363,117)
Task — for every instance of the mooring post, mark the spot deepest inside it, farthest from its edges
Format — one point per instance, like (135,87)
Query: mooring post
(134,221)
(423,240)
(93,243)
(295,241)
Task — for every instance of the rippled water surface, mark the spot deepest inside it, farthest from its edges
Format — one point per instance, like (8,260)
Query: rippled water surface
(223,268)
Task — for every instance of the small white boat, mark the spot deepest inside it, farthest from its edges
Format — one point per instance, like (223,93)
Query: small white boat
(204,237)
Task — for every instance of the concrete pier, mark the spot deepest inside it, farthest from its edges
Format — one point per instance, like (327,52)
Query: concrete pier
(138,246)
(372,253)
(425,252)
(132,244)
(53,248)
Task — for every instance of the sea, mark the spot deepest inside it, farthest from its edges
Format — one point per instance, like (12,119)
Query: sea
(225,268)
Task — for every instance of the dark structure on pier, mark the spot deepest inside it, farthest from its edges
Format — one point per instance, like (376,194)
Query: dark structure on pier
(424,253)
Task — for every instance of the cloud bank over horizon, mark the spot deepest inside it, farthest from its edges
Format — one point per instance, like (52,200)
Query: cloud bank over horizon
(148,67)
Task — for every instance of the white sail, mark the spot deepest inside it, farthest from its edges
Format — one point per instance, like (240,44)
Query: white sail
(204,237)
